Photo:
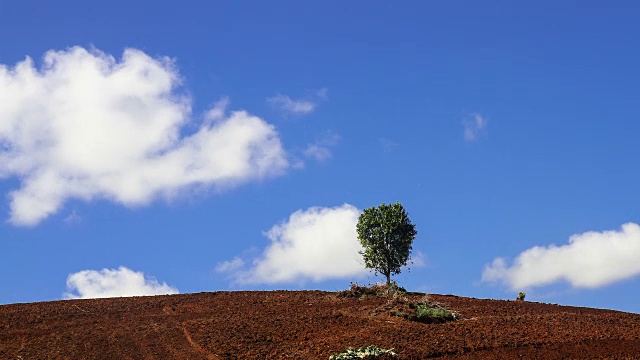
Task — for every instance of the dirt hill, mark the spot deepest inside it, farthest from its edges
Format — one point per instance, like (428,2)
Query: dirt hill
(307,325)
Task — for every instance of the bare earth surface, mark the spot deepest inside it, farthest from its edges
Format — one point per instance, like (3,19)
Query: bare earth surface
(307,325)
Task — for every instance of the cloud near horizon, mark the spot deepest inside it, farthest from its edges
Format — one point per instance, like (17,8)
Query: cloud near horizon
(590,260)
(90,284)
(87,126)
(315,244)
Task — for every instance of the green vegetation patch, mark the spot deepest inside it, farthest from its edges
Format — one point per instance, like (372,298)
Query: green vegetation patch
(423,310)
(433,314)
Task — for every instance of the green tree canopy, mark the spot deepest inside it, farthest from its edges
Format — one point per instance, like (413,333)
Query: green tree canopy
(386,235)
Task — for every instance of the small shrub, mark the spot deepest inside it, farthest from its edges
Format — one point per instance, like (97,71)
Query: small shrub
(364,352)
(433,314)
(521,296)
(424,310)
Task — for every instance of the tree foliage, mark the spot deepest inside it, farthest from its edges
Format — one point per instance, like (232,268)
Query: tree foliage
(386,235)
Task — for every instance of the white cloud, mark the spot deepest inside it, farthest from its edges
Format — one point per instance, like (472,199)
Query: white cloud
(590,260)
(88,126)
(321,149)
(474,126)
(230,266)
(315,244)
(295,107)
(88,284)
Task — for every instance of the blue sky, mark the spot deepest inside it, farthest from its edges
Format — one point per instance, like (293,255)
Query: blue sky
(167,147)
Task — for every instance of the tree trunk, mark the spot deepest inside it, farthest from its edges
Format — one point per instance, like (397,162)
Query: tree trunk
(388,275)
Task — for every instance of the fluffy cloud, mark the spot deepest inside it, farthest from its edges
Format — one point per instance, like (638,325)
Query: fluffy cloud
(106,283)
(590,260)
(314,244)
(295,107)
(473,126)
(86,126)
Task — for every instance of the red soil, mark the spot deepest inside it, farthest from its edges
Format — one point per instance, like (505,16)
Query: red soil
(307,325)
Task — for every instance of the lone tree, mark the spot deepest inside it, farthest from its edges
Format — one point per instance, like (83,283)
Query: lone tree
(386,234)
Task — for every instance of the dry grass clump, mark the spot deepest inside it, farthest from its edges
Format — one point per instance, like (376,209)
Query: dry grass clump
(358,291)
